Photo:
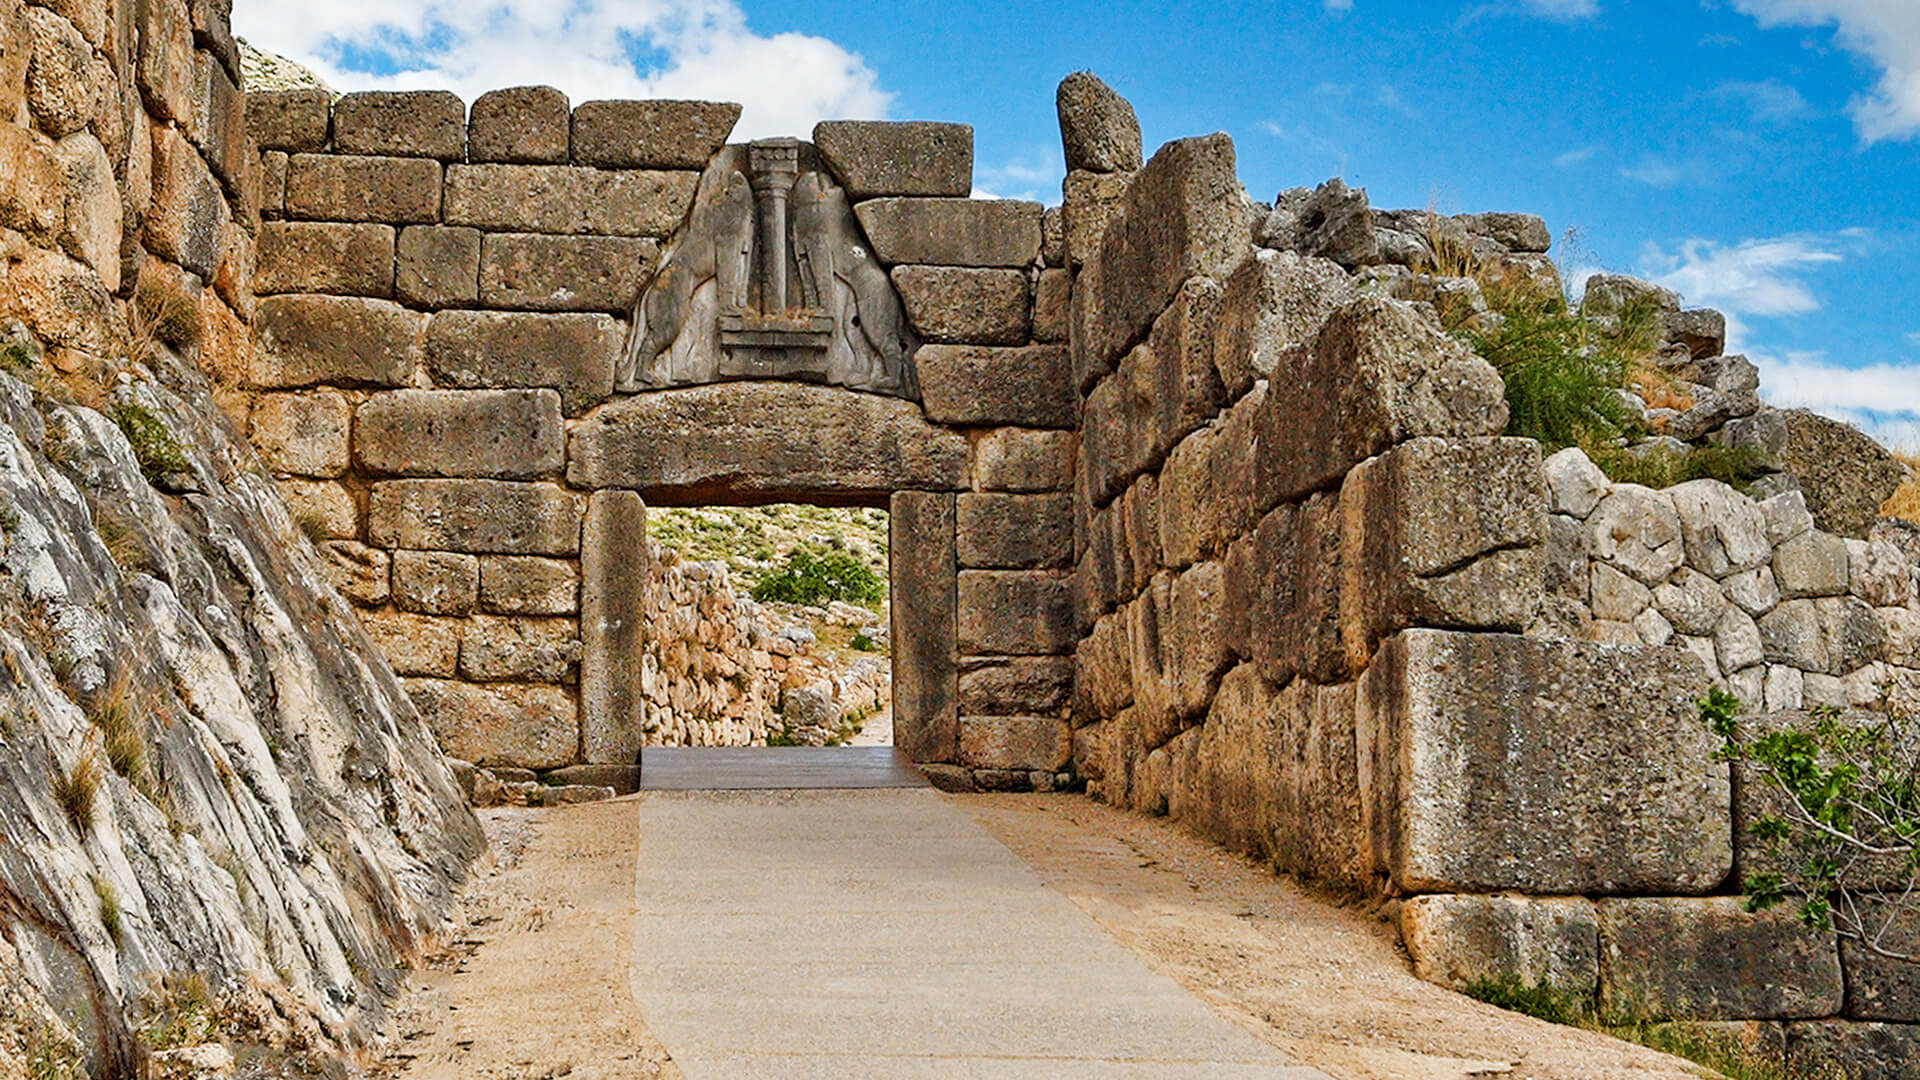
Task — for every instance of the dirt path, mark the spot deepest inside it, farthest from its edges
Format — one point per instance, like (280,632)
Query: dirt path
(538,987)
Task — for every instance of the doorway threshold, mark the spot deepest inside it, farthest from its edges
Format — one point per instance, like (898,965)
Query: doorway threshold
(775,768)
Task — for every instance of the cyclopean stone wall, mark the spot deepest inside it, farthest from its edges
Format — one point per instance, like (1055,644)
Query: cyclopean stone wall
(447,305)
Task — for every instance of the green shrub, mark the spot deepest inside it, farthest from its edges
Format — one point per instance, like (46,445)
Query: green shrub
(810,577)
(15,358)
(153,444)
(861,643)
(1562,390)
(1663,468)
(109,907)
(1540,1002)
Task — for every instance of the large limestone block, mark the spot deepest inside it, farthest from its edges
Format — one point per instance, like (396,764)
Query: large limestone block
(494,649)
(1376,374)
(302,434)
(1184,215)
(1206,490)
(342,341)
(965,305)
(1030,743)
(952,232)
(572,353)
(322,257)
(92,205)
(16,53)
(1812,564)
(30,173)
(484,517)
(438,266)
(1117,426)
(568,200)
(1867,1050)
(1052,306)
(923,615)
(1494,762)
(506,434)
(435,582)
(880,157)
(1637,531)
(1194,628)
(781,439)
(1880,987)
(1103,671)
(1707,958)
(526,726)
(524,125)
(1014,532)
(1098,129)
(164,73)
(1090,202)
(361,573)
(322,508)
(219,128)
(329,187)
(60,87)
(189,212)
(1186,389)
(565,273)
(291,121)
(1551,942)
(528,585)
(1834,636)
(1017,686)
(651,134)
(1844,475)
(1275,301)
(1014,613)
(1723,530)
(415,644)
(615,596)
(1023,459)
(401,123)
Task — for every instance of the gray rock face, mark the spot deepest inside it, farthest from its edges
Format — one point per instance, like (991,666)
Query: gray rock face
(525,125)
(876,157)
(1550,942)
(1844,475)
(1704,958)
(1097,126)
(1332,222)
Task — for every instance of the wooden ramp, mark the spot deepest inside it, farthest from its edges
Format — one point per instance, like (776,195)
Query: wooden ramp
(775,768)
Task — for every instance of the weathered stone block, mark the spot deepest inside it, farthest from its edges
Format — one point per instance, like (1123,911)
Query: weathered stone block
(565,273)
(415,644)
(1103,672)
(525,125)
(1022,459)
(302,434)
(1033,743)
(880,157)
(219,126)
(1097,126)
(615,563)
(439,266)
(1195,652)
(1090,203)
(323,510)
(1183,216)
(1811,564)
(653,134)
(528,585)
(1274,302)
(525,726)
(1637,531)
(60,89)
(573,354)
(1724,531)
(401,123)
(1575,484)
(984,386)
(1186,391)
(93,210)
(1706,958)
(343,341)
(1691,601)
(953,304)
(952,232)
(567,200)
(797,441)
(1053,238)
(1283,593)
(164,73)
(1015,532)
(1879,987)
(294,121)
(1496,762)
(486,517)
(1052,305)
(329,187)
(923,622)
(359,572)
(15,56)
(1017,686)
(1551,942)
(507,434)
(29,170)
(1887,1051)
(435,582)
(189,211)
(273,184)
(518,650)
(317,257)
(1206,487)
(1832,636)
(1014,613)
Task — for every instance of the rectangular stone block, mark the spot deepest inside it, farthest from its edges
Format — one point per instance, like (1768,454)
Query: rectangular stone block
(1023,459)
(952,232)
(189,212)
(1194,650)
(360,573)
(956,304)
(1031,743)
(1014,613)
(651,134)
(1090,201)
(324,511)
(568,200)
(273,185)
(1052,306)
(789,440)
(1015,532)
(219,126)
(164,71)
(1706,958)
(484,517)
(415,644)
(302,434)
(982,386)
(525,125)
(1182,216)
(401,123)
(880,157)
(294,121)
(1887,1051)
(494,649)
(1880,987)
(1551,942)
(435,582)
(1493,761)
(505,434)
(438,266)
(926,723)
(329,187)
(565,273)
(1186,390)
(318,257)
(525,726)
(528,585)
(1017,686)
(614,600)
(573,354)
(341,341)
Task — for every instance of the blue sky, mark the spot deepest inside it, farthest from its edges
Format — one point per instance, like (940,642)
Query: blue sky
(1761,156)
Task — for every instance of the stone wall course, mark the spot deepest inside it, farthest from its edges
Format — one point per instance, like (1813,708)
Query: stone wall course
(1705,958)
(950,305)
(1013,686)
(529,726)
(334,187)
(435,582)
(302,434)
(651,134)
(565,273)
(1014,613)
(322,257)
(292,121)
(416,644)
(342,341)
(571,353)
(503,434)
(494,649)
(1023,459)
(567,200)
(438,266)
(485,517)
(986,386)
(886,157)
(952,232)
(401,123)
(523,125)
(1014,532)
(528,585)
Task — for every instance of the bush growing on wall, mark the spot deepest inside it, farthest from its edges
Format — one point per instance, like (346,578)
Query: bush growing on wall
(809,577)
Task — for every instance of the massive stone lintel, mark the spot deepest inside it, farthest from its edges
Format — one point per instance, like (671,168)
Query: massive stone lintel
(770,278)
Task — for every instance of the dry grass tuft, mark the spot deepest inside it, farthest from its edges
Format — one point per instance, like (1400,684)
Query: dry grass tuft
(77,790)
(1905,502)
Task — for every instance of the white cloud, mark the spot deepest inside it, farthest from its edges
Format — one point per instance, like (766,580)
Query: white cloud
(1389,98)
(1768,101)
(1754,278)
(1027,179)
(1882,400)
(1575,157)
(1914,339)
(1566,10)
(702,49)
(1886,32)
(1666,173)
(1339,5)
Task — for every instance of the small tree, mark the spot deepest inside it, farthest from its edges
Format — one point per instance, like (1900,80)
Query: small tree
(1845,822)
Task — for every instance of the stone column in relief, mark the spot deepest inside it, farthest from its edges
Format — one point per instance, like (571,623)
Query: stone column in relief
(613,604)
(926,723)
